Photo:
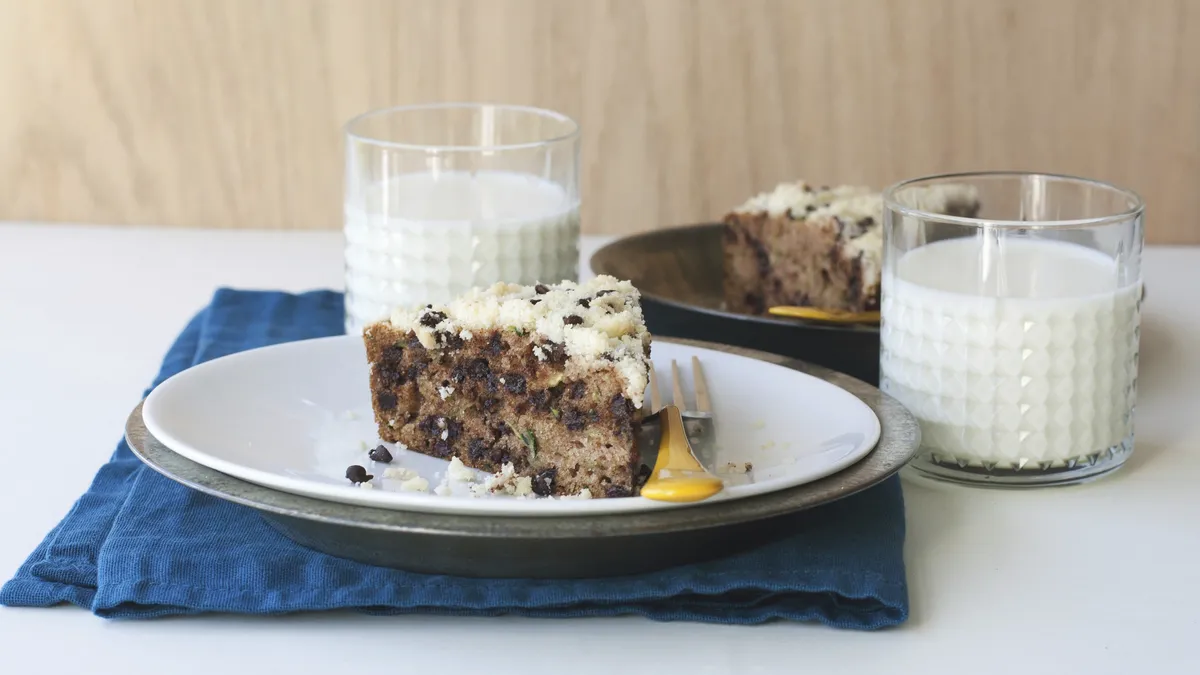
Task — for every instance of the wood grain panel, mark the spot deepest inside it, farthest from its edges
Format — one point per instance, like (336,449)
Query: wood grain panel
(227,113)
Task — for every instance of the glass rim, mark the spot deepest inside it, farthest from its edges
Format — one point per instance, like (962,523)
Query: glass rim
(1136,209)
(348,127)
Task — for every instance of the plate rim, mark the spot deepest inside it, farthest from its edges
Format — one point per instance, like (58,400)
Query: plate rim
(233,466)
(600,256)
(898,442)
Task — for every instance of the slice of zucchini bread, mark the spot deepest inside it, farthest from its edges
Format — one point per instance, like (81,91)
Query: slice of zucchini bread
(816,246)
(547,377)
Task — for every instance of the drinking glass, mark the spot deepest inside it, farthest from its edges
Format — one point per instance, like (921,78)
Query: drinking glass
(1012,334)
(441,198)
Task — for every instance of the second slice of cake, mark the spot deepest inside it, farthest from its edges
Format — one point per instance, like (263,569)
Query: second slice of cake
(547,377)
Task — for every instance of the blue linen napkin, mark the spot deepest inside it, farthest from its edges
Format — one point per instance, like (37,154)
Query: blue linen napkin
(137,545)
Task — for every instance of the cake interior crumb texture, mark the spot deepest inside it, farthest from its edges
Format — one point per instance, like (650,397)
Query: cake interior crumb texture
(549,378)
(816,246)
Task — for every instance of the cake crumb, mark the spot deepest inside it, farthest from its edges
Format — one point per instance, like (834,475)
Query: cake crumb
(445,392)
(445,434)
(366,486)
(505,481)
(736,467)
(364,446)
(442,490)
(760,424)
(399,473)
(458,471)
(415,484)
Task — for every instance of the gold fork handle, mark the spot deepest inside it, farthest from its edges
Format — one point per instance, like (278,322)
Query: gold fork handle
(827,315)
(677,476)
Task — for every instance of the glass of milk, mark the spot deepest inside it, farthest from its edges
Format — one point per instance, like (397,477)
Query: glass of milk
(441,198)
(1013,336)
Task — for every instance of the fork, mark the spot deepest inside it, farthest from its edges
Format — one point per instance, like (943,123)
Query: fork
(677,475)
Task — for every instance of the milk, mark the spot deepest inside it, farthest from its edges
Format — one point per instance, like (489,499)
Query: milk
(1018,354)
(428,237)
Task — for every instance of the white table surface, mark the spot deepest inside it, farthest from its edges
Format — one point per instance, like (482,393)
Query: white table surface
(1101,578)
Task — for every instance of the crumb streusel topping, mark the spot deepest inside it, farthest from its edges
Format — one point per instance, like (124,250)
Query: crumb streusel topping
(597,322)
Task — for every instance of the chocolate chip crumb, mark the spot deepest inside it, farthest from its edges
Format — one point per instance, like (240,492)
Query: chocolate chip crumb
(477,449)
(541,289)
(380,454)
(357,474)
(572,320)
(575,420)
(534,301)
(601,294)
(478,369)
(495,345)
(432,319)
(577,390)
(543,483)
(585,303)
(514,383)
(810,208)
(386,400)
(618,491)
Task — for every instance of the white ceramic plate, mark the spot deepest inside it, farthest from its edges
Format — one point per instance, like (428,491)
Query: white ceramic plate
(292,417)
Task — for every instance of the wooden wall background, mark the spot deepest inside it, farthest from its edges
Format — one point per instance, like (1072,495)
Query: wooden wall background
(227,113)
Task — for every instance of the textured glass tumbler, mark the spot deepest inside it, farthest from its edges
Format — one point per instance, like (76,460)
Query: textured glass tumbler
(1012,334)
(446,197)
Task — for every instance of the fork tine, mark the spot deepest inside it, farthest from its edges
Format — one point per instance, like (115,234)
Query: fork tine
(677,388)
(655,397)
(703,402)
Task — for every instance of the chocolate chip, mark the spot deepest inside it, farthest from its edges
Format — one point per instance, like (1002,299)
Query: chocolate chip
(414,342)
(453,429)
(389,377)
(496,344)
(357,474)
(572,320)
(392,355)
(601,294)
(493,383)
(643,473)
(479,369)
(540,399)
(477,449)
(574,419)
(458,373)
(429,426)
(416,368)
(514,383)
(380,454)
(585,303)
(555,353)
(577,389)
(621,407)
(432,319)
(810,208)
(487,403)
(541,289)
(386,400)
(618,491)
(866,222)
(441,447)
(449,340)
(534,301)
(543,483)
